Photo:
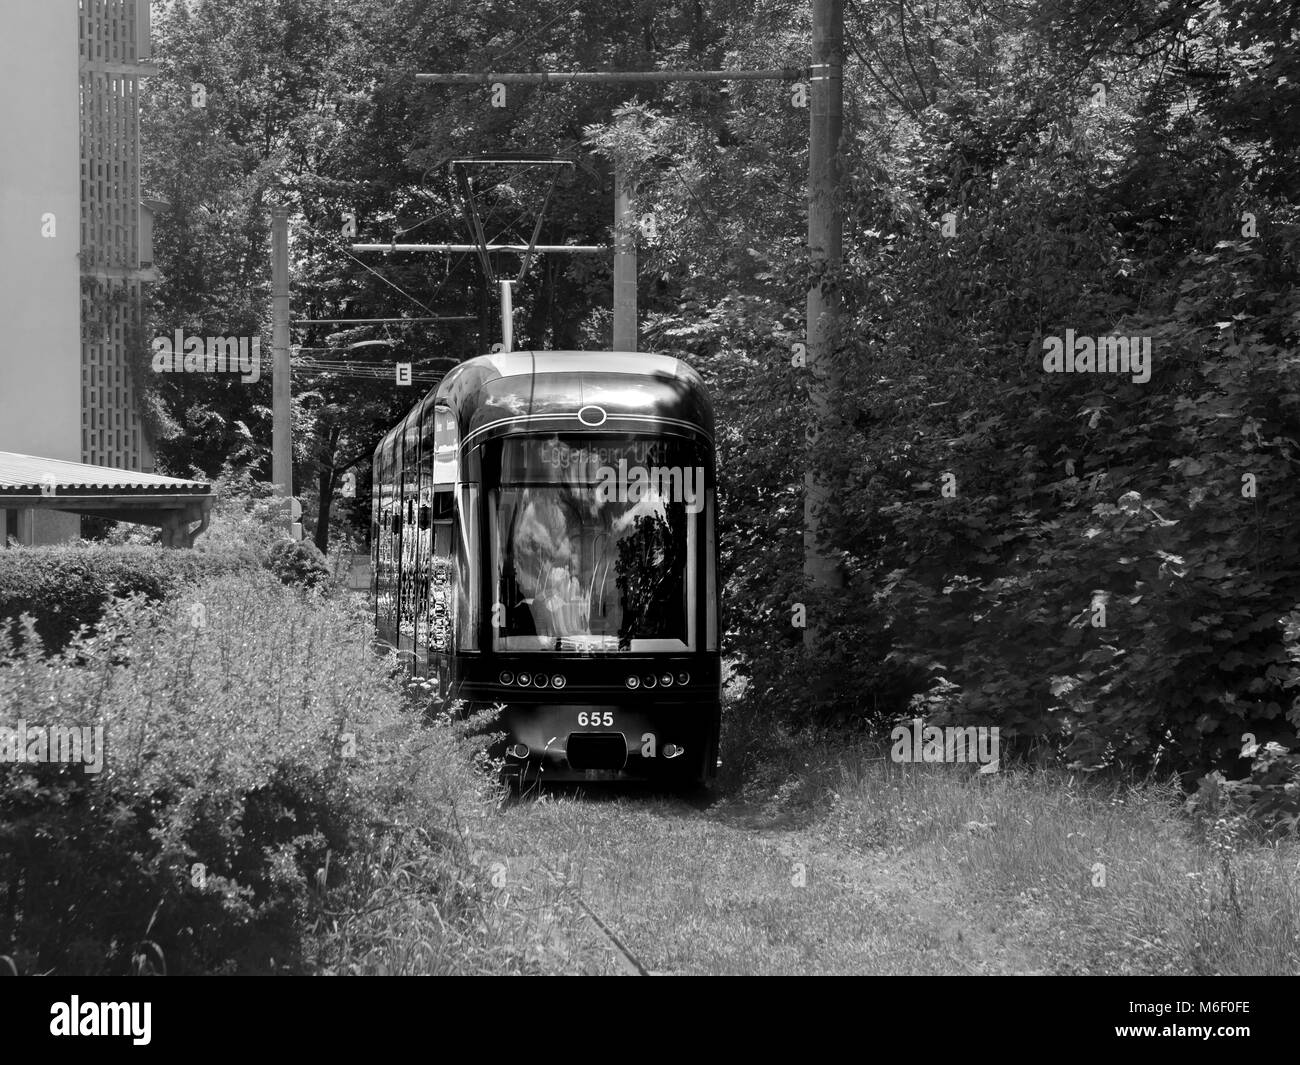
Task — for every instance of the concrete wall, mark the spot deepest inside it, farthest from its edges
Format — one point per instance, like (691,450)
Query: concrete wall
(40,342)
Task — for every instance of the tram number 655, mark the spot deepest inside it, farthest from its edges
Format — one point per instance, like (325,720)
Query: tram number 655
(596,717)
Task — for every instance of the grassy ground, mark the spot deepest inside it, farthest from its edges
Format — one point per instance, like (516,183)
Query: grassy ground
(850,864)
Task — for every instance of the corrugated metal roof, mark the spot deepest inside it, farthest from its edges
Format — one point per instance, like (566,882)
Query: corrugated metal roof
(26,474)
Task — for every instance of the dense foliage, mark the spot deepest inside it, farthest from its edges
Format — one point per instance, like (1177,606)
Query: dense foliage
(251,772)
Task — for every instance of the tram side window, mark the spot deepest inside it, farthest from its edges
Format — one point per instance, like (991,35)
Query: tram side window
(434,621)
(424,533)
(465,574)
(441,587)
(389,524)
(374,509)
(409,601)
(452,622)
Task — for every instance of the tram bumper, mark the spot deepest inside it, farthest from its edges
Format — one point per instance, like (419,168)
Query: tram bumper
(592,742)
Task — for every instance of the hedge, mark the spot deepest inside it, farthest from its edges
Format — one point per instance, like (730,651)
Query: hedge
(69,585)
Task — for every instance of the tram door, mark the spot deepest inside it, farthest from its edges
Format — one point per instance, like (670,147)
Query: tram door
(442,591)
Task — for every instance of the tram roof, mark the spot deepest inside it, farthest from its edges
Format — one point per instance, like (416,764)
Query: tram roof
(515,363)
(481,389)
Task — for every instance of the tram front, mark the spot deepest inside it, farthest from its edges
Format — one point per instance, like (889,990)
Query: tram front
(598,506)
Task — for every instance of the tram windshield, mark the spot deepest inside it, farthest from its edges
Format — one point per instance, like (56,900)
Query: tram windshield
(595,542)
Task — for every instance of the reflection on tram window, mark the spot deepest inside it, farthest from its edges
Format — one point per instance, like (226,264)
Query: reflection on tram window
(594,544)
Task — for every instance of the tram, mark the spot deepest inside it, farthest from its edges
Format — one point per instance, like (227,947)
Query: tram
(544,540)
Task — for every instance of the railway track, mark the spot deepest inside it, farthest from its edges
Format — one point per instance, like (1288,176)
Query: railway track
(627,961)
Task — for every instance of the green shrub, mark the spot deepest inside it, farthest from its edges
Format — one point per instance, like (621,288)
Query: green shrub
(298,562)
(1267,800)
(255,756)
(67,586)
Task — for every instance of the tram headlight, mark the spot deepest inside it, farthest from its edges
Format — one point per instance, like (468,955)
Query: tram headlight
(558,681)
(666,680)
(634,682)
(540,681)
(506,677)
(683,678)
(524,680)
(649,680)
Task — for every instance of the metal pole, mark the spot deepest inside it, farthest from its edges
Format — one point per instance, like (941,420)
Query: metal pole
(825,232)
(625,332)
(281,441)
(552,77)
(507,317)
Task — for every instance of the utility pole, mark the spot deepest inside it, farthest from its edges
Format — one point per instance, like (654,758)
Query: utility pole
(281,440)
(625,331)
(825,236)
(507,315)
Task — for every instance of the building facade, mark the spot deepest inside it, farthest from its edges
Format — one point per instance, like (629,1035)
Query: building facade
(114,47)
(70,241)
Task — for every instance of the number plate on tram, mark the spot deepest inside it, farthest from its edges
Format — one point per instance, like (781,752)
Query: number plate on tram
(596,718)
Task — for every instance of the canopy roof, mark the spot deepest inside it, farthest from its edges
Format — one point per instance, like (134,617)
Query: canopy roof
(102,491)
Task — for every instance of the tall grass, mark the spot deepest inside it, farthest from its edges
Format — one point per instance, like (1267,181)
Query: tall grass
(1104,877)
